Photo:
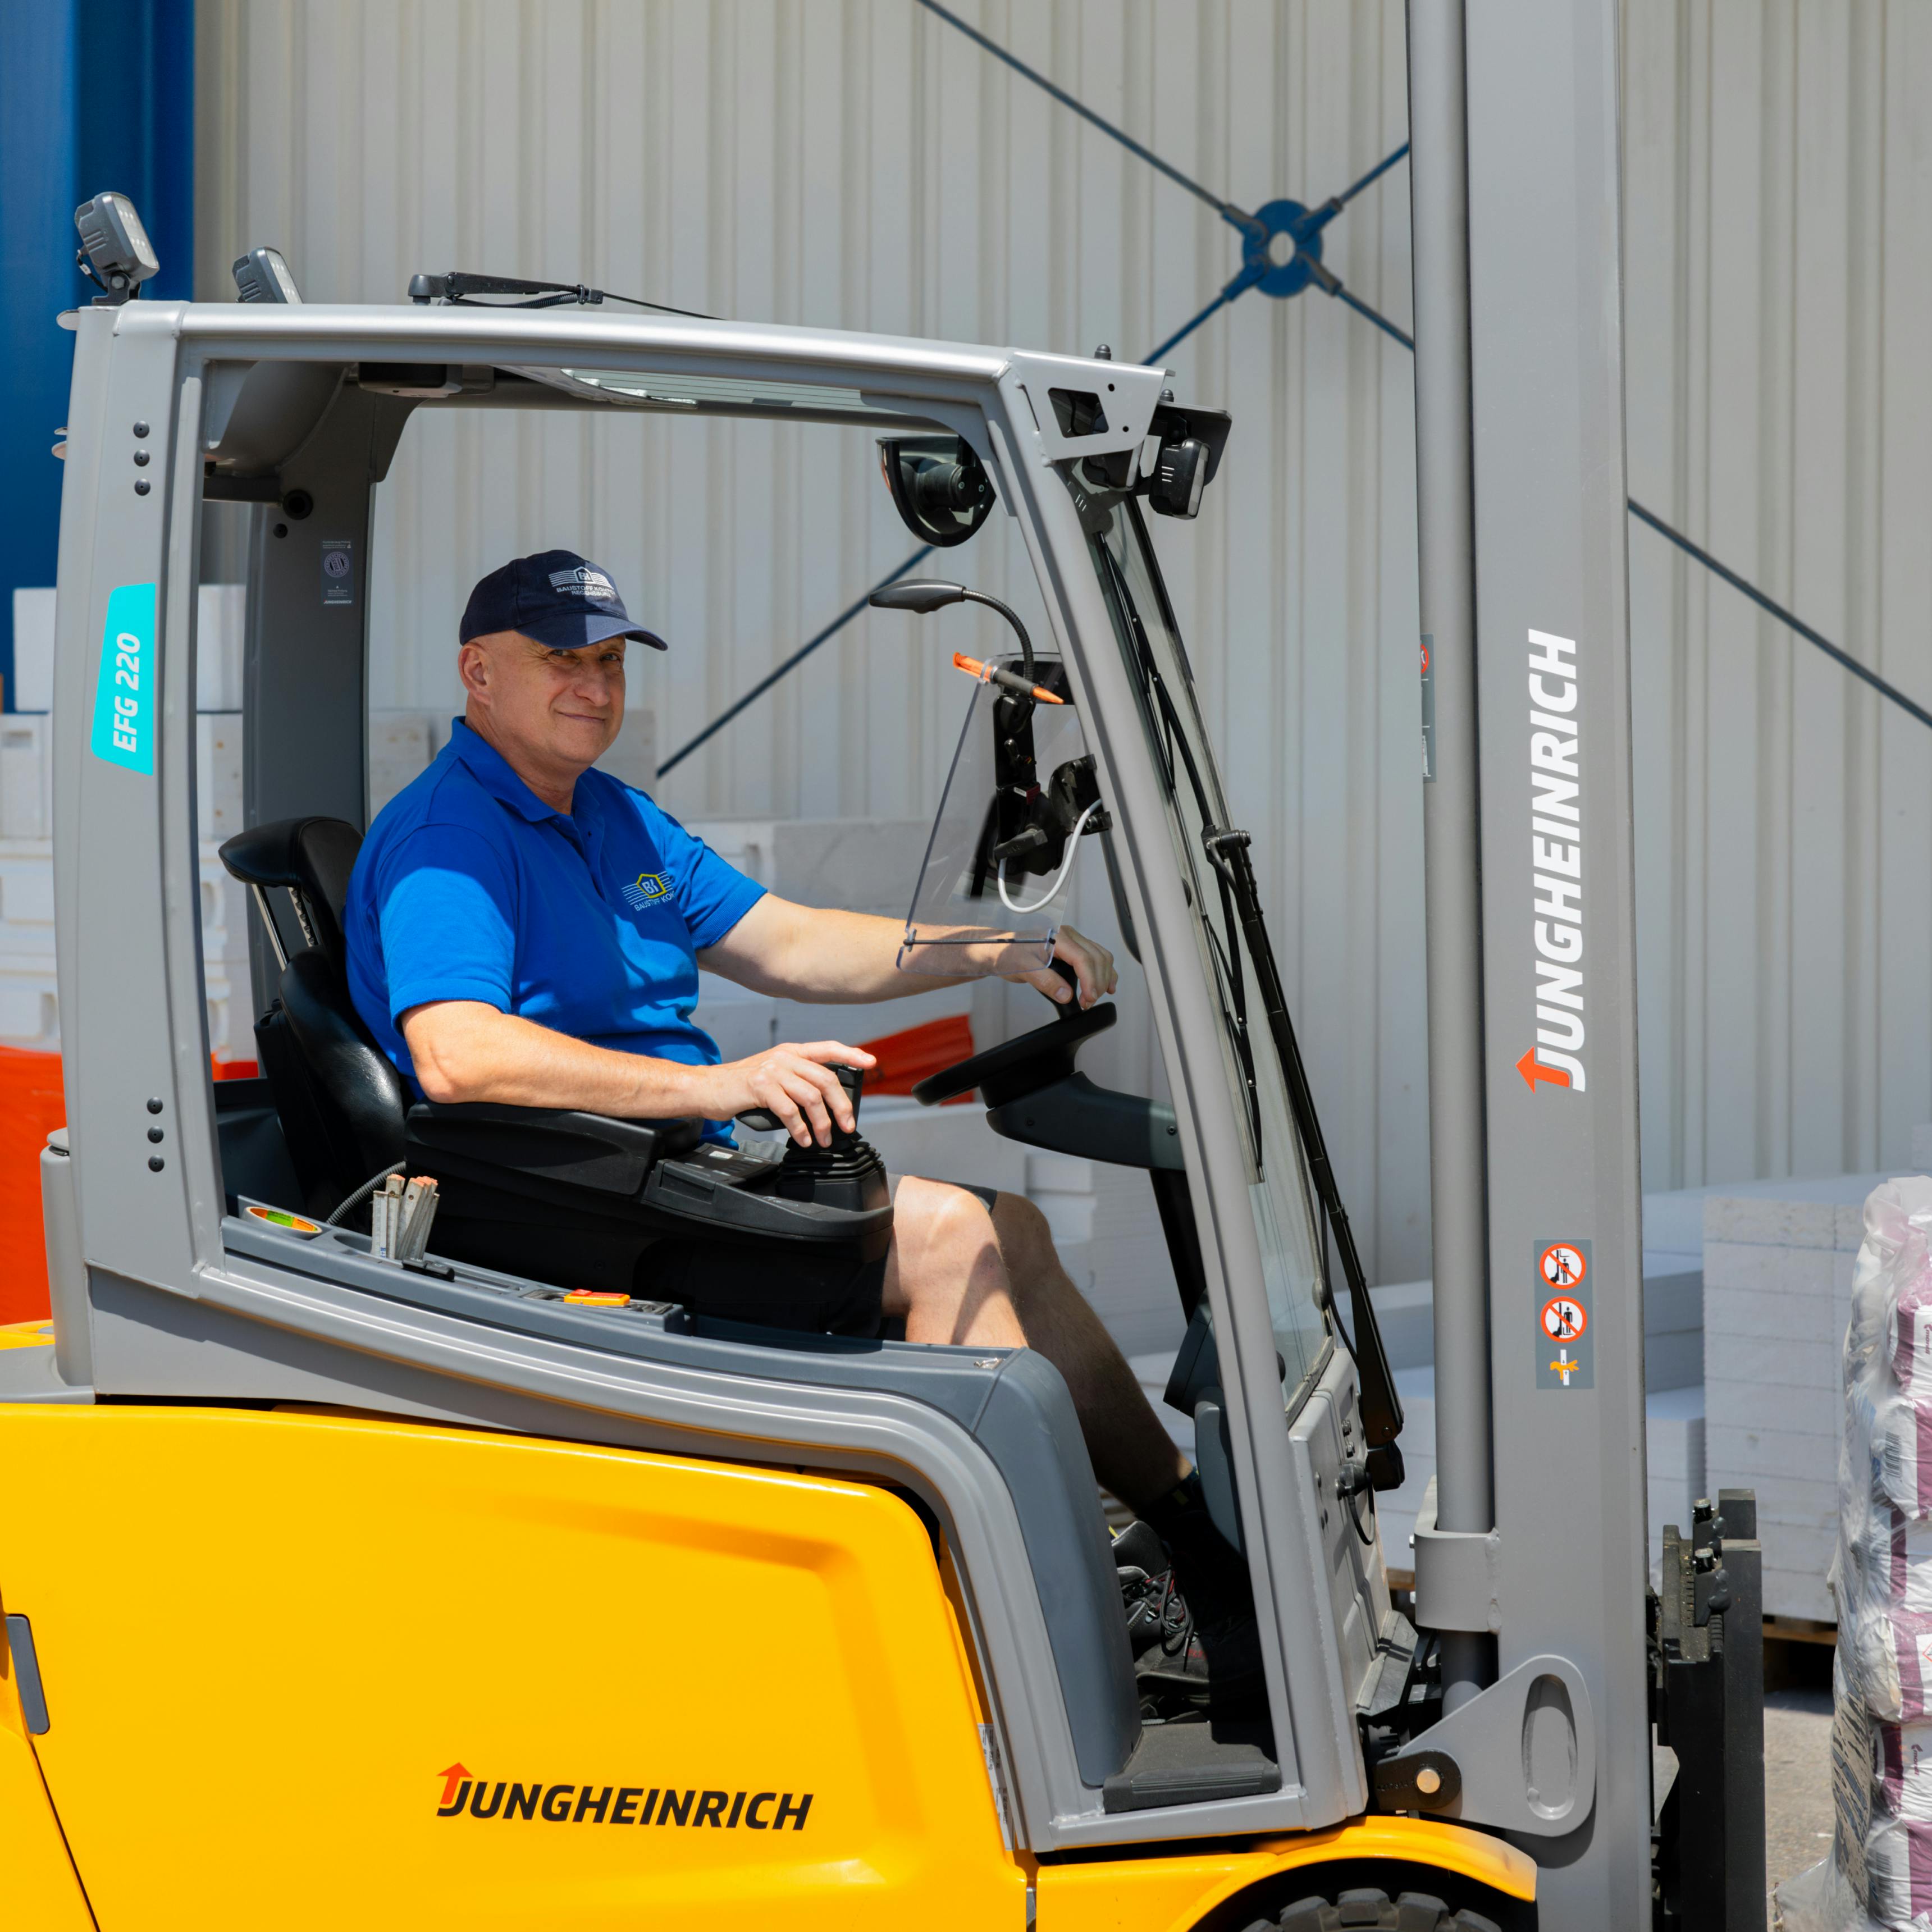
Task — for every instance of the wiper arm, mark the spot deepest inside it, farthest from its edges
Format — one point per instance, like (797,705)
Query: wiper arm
(1381,1406)
(1173,737)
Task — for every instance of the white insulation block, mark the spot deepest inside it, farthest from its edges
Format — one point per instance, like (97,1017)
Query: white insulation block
(33,649)
(26,776)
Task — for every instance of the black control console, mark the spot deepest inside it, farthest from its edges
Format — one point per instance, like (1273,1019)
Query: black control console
(838,1193)
(577,1198)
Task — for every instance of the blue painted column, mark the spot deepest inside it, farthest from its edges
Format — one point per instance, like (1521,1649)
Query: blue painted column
(94,94)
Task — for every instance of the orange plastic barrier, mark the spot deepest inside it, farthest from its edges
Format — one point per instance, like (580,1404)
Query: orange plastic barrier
(906,1058)
(31,1105)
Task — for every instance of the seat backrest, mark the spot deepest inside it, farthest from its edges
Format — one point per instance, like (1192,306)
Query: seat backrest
(342,1103)
(359,1096)
(312,858)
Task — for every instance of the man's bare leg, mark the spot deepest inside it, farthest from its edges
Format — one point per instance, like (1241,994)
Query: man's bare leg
(959,1274)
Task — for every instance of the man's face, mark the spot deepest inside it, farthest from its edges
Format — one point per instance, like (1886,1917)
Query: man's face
(556,712)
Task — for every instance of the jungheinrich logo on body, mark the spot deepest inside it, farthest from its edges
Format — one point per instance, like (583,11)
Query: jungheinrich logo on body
(1556,864)
(466,1796)
(647,889)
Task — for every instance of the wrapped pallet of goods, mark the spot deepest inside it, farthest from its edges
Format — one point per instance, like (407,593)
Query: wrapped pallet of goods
(1879,1873)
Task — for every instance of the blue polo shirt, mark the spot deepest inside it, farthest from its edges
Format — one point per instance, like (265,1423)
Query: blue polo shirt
(468,887)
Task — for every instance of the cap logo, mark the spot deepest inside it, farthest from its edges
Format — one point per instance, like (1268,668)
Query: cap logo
(585,581)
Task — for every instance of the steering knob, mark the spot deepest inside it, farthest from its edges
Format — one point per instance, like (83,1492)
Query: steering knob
(1067,974)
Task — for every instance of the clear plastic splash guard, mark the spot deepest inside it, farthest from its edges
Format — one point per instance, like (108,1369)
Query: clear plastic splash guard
(1020,796)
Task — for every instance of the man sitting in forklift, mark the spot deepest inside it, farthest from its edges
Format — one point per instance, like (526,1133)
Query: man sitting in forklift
(525,929)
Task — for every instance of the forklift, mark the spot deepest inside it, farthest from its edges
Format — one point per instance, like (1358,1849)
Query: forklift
(458,1580)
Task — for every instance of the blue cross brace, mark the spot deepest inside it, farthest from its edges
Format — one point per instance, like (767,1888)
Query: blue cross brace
(1263,268)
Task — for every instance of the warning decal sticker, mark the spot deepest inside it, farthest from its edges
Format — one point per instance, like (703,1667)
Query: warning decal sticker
(1563,1292)
(1561,1265)
(1563,1319)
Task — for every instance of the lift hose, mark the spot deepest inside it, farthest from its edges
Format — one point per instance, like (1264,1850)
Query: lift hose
(362,1194)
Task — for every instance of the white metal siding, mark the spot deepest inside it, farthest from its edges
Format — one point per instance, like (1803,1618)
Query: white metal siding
(1778,250)
(857,164)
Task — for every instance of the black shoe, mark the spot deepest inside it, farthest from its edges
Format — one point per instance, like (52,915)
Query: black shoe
(1213,1575)
(1205,1657)
(1156,1613)
(1232,1647)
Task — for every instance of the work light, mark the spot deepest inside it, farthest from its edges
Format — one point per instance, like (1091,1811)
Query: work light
(262,275)
(115,252)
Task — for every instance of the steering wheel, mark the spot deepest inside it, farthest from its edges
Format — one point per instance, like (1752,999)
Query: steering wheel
(1018,1067)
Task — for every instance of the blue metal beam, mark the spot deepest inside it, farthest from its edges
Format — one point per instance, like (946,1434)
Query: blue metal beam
(94,94)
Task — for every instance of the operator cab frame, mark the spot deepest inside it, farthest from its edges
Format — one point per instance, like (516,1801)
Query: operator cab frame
(165,1286)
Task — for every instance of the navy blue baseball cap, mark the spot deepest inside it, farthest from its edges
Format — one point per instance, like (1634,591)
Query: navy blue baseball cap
(557,597)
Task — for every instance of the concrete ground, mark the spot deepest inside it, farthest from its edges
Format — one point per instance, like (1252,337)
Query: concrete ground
(1797,1780)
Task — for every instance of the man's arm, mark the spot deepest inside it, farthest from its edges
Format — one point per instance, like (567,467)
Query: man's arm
(803,952)
(464,1050)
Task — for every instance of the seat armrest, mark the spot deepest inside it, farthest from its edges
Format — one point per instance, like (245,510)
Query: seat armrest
(593,1151)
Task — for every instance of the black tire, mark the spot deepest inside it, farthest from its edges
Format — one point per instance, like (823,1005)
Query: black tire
(1362,1910)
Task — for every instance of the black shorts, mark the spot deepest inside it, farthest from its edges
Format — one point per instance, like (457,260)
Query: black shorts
(827,1290)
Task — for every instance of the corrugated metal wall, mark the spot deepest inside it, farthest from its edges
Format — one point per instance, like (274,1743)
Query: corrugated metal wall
(1779,303)
(858,164)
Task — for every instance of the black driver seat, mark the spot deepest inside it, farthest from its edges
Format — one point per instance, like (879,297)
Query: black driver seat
(342,1105)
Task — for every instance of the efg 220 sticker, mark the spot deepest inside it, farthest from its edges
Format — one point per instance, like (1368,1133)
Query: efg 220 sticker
(124,698)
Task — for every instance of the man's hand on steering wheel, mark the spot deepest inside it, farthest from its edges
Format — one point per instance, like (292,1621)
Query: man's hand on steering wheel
(1091,961)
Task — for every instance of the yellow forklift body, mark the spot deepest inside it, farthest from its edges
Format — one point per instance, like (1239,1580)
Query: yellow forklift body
(308,1668)
(1174,1894)
(38,1886)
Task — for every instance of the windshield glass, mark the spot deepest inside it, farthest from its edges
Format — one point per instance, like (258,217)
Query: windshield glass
(1279,1194)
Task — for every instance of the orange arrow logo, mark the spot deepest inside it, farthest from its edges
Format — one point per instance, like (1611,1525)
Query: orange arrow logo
(1528,1067)
(451,1778)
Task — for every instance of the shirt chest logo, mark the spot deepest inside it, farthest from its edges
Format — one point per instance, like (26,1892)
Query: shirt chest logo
(647,889)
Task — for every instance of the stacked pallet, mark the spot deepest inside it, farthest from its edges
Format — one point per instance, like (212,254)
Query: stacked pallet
(1879,1870)
(1778,1258)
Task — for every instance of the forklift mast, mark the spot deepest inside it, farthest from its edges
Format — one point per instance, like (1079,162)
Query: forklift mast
(1535,1547)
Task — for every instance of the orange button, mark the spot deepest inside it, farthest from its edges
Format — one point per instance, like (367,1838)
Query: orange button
(595,1298)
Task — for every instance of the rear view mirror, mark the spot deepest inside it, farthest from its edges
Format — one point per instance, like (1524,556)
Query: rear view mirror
(1179,475)
(939,487)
